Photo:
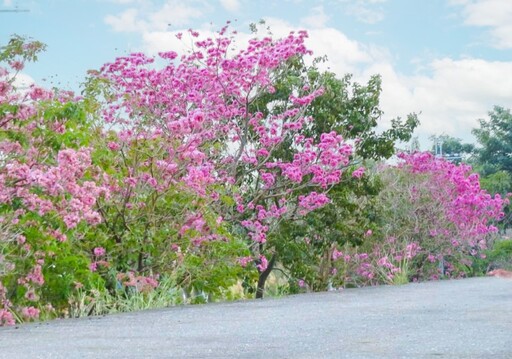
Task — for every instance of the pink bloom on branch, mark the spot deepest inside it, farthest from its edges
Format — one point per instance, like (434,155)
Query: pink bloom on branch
(99,251)
(36,275)
(263,264)
(6,318)
(113,146)
(362,256)
(17,65)
(21,239)
(169,55)
(313,201)
(358,173)
(4,88)
(336,254)
(30,313)
(71,220)
(262,152)
(31,295)
(38,93)
(383,261)
(61,237)
(268,178)
(244,261)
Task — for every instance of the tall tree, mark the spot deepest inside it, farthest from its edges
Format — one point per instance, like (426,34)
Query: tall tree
(495,138)
(493,158)
(305,247)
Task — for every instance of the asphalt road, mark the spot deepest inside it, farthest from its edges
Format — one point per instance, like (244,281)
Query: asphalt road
(470,318)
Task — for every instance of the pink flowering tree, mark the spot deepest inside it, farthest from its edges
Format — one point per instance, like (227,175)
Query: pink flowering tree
(306,245)
(436,221)
(213,147)
(48,191)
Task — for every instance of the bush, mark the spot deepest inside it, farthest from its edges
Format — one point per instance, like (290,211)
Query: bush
(435,222)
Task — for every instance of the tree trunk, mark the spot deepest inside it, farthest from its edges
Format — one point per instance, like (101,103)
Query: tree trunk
(263,278)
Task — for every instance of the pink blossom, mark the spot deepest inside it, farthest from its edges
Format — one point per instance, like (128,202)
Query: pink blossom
(30,313)
(17,65)
(99,251)
(383,261)
(36,275)
(6,318)
(113,146)
(21,239)
(268,178)
(244,261)
(336,254)
(262,266)
(169,55)
(358,173)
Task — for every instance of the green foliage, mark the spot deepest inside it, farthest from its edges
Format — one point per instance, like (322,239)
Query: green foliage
(98,301)
(307,252)
(64,272)
(493,158)
(495,139)
(497,182)
(500,256)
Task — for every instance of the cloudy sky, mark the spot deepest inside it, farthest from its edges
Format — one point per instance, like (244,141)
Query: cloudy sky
(449,60)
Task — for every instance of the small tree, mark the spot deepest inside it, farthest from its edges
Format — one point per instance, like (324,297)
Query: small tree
(494,137)
(48,190)
(305,246)
(436,220)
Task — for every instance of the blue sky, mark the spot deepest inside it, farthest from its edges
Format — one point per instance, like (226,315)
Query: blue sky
(451,60)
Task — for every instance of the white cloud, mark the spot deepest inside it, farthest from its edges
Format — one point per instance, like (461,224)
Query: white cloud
(317,19)
(366,11)
(496,15)
(23,81)
(127,21)
(148,17)
(156,41)
(230,5)
(451,98)
(7,3)
(174,13)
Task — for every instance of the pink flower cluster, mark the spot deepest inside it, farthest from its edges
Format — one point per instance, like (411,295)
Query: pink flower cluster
(470,208)
(140,283)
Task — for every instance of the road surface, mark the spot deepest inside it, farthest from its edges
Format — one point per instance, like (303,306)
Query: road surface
(469,318)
